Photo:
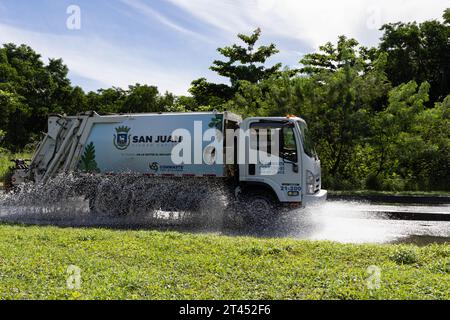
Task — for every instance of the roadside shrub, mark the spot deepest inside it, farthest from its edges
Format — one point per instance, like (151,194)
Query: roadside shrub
(412,185)
(274,251)
(339,183)
(253,251)
(4,163)
(374,182)
(405,256)
(393,184)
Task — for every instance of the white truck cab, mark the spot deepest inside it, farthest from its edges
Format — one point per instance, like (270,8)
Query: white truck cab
(298,176)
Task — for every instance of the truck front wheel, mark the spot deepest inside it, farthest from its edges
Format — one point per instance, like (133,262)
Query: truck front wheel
(260,208)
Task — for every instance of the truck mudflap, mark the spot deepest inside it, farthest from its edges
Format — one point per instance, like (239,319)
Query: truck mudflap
(317,198)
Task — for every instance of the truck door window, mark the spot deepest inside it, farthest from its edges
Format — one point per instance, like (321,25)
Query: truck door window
(288,144)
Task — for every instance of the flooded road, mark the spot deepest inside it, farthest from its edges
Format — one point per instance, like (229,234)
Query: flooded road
(341,221)
(357,222)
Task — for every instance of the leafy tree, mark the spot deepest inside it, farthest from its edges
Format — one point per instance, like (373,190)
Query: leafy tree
(243,63)
(246,63)
(183,104)
(42,89)
(411,141)
(341,91)
(432,125)
(106,100)
(143,98)
(446,16)
(76,101)
(419,52)
(277,96)
(332,58)
(210,94)
(13,110)
(345,90)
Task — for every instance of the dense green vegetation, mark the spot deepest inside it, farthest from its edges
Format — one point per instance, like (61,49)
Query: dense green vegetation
(166,265)
(5,161)
(380,116)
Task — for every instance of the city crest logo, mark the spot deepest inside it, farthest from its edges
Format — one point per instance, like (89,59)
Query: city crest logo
(122,139)
(154,166)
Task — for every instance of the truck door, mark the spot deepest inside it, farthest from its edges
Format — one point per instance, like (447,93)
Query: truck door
(284,176)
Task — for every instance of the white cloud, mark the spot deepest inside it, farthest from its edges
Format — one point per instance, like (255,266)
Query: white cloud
(292,24)
(313,22)
(93,58)
(149,12)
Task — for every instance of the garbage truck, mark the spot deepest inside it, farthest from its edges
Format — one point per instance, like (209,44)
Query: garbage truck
(194,146)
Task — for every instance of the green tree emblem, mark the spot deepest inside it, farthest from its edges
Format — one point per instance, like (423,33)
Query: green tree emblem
(87,161)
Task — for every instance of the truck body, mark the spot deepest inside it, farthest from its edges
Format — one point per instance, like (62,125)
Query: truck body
(185,145)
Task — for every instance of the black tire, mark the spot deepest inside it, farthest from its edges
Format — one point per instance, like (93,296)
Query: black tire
(259,208)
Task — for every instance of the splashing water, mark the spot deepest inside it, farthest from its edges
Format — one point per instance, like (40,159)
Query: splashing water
(201,205)
(122,200)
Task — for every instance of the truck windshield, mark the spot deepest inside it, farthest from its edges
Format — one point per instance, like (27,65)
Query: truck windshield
(308,145)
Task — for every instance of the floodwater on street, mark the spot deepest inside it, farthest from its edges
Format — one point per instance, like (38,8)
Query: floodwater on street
(340,221)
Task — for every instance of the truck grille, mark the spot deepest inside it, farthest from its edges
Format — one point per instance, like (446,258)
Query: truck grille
(317,185)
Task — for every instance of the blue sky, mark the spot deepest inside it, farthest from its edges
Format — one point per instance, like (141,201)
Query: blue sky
(169,43)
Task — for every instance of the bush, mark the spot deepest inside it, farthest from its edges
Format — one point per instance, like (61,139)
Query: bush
(339,183)
(5,164)
(373,182)
(405,256)
(395,184)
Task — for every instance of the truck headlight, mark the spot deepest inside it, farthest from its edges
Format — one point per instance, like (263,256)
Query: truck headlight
(310,180)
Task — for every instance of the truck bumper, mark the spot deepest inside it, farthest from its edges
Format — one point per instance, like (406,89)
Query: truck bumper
(316,198)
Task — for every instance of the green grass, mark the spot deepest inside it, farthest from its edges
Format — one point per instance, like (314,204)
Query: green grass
(169,265)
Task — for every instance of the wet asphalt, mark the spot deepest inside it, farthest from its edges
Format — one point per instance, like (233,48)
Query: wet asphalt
(337,220)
